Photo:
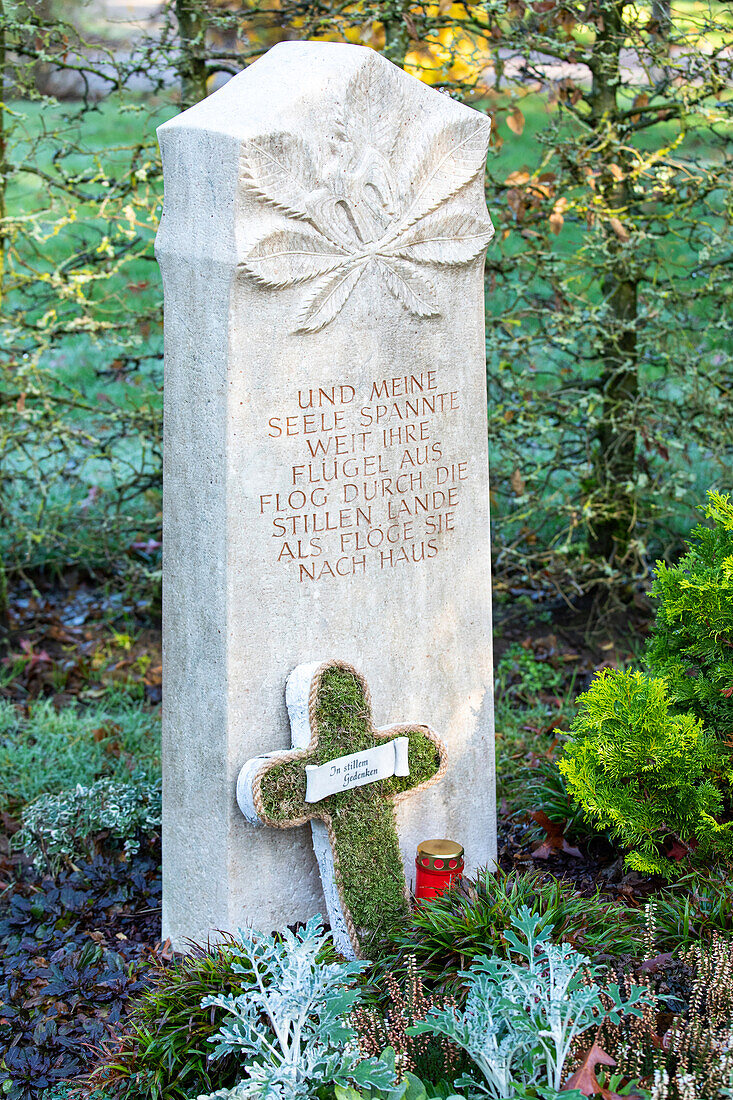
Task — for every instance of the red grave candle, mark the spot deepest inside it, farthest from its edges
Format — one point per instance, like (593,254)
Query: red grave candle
(438,864)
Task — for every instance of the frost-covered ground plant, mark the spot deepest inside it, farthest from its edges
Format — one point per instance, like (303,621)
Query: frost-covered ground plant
(45,751)
(520,1019)
(62,827)
(291,1026)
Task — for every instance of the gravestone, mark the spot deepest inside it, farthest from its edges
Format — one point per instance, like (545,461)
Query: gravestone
(325,471)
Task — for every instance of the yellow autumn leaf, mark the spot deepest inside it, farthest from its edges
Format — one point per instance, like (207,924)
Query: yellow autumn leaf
(515,121)
(619,229)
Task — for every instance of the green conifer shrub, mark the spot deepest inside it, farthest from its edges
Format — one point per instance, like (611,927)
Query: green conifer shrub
(650,776)
(692,644)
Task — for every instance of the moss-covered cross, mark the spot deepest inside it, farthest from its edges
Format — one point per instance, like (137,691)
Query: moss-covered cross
(354,830)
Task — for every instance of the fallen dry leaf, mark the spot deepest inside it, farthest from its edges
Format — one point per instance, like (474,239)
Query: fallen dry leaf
(642,100)
(555,841)
(515,121)
(566,21)
(584,1079)
(517,482)
(619,229)
(556,222)
(515,202)
(650,966)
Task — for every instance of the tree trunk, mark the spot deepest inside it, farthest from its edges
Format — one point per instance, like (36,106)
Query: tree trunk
(192,63)
(615,510)
(662,16)
(615,462)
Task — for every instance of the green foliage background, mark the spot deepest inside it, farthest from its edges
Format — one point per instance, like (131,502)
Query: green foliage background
(608,283)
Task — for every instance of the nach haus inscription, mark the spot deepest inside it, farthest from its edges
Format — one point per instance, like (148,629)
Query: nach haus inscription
(365,479)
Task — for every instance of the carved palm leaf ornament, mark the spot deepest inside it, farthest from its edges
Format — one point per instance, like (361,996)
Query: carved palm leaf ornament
(344,776)
(365,206)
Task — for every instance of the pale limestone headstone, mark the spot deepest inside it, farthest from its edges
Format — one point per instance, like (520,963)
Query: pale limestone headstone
(326,478)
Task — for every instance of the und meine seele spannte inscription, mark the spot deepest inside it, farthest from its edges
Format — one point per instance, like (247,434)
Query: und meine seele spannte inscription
(361,493)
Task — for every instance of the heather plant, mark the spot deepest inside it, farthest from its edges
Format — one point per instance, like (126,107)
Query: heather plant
(521,1019)
(651,776)
(682,1042)
(700,1043)
(291,1025)
(75,825)
(692,643)
(408,1003)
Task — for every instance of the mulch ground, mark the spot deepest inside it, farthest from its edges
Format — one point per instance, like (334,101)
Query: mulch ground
(58,637)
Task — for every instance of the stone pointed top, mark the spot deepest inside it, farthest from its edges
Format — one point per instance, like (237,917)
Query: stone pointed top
(346,158)
(295,77)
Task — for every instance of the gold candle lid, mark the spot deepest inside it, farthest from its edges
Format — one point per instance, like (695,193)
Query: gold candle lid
(441,854)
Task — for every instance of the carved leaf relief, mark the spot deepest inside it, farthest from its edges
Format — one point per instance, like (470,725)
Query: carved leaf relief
(327,297)
(445,240)
(280,170)
(356,212)
(372,99)
(455,156)
(290,256)
(411,289)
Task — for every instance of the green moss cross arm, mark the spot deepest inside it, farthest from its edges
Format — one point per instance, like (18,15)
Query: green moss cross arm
(360,822)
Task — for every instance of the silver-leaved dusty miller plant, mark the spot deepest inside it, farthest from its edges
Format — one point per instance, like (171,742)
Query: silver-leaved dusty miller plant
(291,1026)
(520,1020)
(366,204)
